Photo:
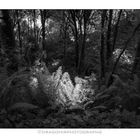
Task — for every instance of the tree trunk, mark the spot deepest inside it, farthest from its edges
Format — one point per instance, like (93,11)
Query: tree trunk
(8,41)
(43,19)
(19,31)
(102,49)
(109,47)
(136,67)
(34,15)
(82,52)
(117,60)
(75,32)
(116,30)
(86,15)
(28,27)
(137,59)
(64,26)
(76,49)
(126,45)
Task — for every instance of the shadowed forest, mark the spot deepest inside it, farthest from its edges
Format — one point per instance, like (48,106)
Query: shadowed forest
(70,68)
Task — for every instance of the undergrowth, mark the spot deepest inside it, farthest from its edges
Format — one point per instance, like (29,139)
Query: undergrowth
(40,104)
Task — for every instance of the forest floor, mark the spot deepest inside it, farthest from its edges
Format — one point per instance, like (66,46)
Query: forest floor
(54,118)
(28,115)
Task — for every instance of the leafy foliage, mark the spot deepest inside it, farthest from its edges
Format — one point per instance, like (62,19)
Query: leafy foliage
(69,68)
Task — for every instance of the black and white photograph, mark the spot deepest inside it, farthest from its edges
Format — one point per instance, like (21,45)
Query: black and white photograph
(70,68)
